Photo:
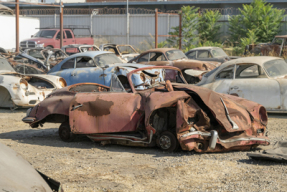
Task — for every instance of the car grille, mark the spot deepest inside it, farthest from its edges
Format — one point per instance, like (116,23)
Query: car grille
(28,44)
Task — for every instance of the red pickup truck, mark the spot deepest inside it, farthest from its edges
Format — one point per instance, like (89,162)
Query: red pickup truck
(50,38)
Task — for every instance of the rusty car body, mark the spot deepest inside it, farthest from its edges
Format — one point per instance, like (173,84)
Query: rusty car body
(261,79)
(18,175)
(124,52)
(78,48)
(176,58)
(165,114)
(278,47)
(215,54)
(18,90)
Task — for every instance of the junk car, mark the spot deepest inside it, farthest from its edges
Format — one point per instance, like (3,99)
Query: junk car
(93,67)
(124,52)
(176,58)
(163,113)
(78,48)
(17,90)
(260,79)
(215,54)
(18,175)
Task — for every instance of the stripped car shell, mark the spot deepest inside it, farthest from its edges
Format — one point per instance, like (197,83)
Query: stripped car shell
(19,90)
(164,114)
(176,58)
(78,48)
(124,52)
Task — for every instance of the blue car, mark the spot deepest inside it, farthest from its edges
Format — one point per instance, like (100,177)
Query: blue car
(102,67)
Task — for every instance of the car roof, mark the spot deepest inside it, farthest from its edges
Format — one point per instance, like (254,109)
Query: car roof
(160,50)
(88,54)
(281,36)
(260,60)
(201,48)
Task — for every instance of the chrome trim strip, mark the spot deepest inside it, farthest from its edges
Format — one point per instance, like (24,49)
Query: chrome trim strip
(234,125)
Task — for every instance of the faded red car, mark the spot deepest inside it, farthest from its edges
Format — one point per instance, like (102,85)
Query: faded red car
(165,114)
(176,58)
(50,38)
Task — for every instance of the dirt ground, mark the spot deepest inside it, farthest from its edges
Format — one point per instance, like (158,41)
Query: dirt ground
(87,166)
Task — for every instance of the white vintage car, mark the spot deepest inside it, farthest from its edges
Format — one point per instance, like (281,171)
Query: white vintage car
(259,79)
(17,90)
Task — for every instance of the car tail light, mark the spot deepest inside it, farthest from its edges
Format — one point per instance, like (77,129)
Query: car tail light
(263,115)
(24,84)
(62,82)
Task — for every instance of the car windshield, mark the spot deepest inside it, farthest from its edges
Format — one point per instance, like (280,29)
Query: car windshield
(277,41)
(175,54)
(218,52)
(276,67)
(151,78)
(106,59)
(46,33)
(126,50)
(36,53)
(5,65)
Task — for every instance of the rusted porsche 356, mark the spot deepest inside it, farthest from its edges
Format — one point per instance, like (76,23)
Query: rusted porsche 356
(163,113)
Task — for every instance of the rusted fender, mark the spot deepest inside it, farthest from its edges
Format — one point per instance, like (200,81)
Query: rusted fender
(213,101)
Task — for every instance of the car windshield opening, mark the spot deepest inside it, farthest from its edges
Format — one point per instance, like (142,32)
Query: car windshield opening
(107,59)
(126,50)
(218,52)
(276,67)
(151,78)
(175,54)
(46,33)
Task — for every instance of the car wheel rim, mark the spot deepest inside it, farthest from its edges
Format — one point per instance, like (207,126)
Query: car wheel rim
(164,142)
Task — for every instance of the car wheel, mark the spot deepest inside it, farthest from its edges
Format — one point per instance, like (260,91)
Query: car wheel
(65,132)
(167,141)
(49,47)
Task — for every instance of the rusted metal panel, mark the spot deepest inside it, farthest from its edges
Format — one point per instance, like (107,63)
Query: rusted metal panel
(105,112)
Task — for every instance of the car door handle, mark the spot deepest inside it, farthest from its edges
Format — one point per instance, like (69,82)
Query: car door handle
(73,74)
(64,41)
(235,87)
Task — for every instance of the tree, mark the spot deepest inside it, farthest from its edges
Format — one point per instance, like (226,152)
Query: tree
(208,27)
(260,18)
(189,28)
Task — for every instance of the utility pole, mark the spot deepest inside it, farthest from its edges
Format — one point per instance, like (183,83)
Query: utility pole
(17,26)
(156,32)
(128,23)
(61,24)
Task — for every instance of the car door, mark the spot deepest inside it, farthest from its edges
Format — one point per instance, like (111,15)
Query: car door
(86,70)
(105,112)
(252,83)
(58,39)
(69,38)
(222,80)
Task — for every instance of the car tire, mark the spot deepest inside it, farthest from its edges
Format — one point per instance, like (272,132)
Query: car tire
(167,141)
(49,47)
(65,132)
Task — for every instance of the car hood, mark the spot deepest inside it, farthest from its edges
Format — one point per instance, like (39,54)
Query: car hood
(17,174)
(194,64)
(239,109)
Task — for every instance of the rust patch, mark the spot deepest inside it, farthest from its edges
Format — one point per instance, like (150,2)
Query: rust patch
(97,108)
